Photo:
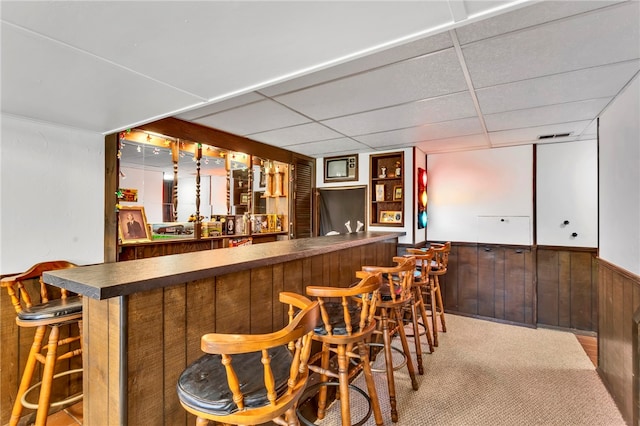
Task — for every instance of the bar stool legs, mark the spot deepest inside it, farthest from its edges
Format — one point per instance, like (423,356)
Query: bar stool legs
(27,375)
(49,362)
(437,308)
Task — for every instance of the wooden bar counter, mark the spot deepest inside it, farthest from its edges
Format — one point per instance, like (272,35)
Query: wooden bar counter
(143,319)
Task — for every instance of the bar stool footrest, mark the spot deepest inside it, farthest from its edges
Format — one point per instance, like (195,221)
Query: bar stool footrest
(311,389)
(66,401)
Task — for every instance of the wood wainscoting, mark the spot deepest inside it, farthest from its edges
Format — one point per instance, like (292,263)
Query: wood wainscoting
(491,281)
(567,288)
(618,358)
(527,285)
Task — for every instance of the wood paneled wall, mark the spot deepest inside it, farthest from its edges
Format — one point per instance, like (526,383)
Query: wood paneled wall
(619,300)
(552,286)
(164,326)
(491,281)
(567,288)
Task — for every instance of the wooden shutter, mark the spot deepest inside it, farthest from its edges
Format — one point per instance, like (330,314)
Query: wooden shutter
(302,190)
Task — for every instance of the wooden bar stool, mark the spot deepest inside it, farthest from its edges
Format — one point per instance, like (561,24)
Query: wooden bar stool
(438,269)
(46,315)
(395,295)
(346,324)
(249,379)
(422,285)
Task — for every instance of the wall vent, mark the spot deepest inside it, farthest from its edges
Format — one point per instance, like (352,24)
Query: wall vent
(554,135)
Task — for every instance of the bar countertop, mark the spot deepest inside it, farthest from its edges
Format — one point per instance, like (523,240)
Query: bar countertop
(107,280)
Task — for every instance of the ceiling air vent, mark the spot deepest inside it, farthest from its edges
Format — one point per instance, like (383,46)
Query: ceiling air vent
(555,135)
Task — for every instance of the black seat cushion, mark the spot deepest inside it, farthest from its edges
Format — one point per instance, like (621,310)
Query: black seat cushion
(203,385)
(52,309)
(336,319)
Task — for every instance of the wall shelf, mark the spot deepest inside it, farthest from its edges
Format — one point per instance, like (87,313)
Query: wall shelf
(386,189)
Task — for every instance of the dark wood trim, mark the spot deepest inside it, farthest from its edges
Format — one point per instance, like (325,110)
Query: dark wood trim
(197,133)
(618,270)
(534,201)
(576,249)
(111,168)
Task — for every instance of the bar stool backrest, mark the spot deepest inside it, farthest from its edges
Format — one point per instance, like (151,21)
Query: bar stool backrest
(397,279)
(365,293)
(18,291)
(440,258)
(424,261)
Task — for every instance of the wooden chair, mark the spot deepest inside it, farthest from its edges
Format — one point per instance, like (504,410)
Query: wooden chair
(422,286)
(346,324)
(46,314)
(249,379)
(394,297)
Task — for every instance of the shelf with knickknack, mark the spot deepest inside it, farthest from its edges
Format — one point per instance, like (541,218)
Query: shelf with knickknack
(386,188)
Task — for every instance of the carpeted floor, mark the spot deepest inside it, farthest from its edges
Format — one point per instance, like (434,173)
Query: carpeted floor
(486,373)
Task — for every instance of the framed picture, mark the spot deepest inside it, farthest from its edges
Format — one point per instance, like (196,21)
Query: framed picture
(244,198)
(380,192)
(132,225)
(397,193)
(390,216)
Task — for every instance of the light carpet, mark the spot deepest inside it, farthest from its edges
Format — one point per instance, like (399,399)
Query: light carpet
(487,373)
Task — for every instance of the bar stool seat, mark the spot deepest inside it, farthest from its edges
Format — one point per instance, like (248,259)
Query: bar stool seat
(56,309)
(200,386)
(48,315)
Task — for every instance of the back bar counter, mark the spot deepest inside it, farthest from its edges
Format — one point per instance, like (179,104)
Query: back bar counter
(143,319)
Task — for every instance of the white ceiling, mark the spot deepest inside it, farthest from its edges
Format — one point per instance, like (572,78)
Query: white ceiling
(324,78)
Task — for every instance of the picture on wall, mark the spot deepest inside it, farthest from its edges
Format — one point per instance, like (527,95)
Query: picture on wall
(397,193)
(132,224)
(380,192)
(390,216)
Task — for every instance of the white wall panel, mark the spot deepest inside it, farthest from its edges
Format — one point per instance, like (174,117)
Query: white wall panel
(51,194)
(619,179)
(464,186)
(566,186)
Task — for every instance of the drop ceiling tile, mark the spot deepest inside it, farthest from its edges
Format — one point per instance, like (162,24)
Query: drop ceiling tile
(428,76)
(410,135)
(583,41)
(444,108)
(220,106)
(477,141)
(328,148)
(294,135)
(85,92)
(589,83)
(214,48)
(530,134)
(253,118)
(524,17)
(388,56)
(550,114)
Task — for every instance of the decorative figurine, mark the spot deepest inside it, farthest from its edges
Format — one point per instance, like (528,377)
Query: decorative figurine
(383,172)
(398,169)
